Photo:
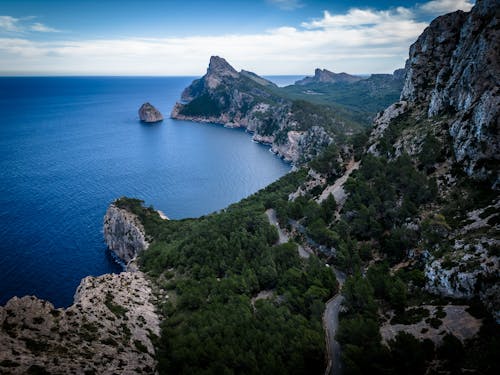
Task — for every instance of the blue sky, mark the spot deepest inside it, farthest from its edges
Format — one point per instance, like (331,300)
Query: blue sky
(178,37)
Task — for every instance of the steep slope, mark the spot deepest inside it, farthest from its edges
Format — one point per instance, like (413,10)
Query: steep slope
(453,80)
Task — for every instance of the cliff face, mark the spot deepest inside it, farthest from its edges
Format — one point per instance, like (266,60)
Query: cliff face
(108,329)
(454,71)
(124,234)
(243,99)
(448,116)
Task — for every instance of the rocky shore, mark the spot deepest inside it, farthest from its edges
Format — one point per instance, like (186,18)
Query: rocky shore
(109,328)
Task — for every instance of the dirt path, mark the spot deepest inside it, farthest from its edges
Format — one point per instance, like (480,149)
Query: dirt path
(337,189)
(283,237)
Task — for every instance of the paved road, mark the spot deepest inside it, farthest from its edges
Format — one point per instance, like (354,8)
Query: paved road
(283,237)
(331,324)
(331,314)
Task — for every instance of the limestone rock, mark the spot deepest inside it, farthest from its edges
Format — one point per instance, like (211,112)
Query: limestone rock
(148,113)
(124,233)
(454,70)
(107,330)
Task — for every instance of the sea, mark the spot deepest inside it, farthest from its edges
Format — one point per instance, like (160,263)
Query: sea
(69,146)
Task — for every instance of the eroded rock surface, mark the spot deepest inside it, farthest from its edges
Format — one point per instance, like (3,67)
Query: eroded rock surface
(124,233)
(107,330)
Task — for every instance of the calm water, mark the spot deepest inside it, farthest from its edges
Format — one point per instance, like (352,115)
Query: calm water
(70,146)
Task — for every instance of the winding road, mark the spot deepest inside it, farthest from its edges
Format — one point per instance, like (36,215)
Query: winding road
(331,324)
(331,314)
(283,237)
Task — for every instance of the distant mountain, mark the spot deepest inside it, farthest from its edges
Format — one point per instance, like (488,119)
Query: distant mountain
(359,98)
(325,76)
(244,99)
(300,120)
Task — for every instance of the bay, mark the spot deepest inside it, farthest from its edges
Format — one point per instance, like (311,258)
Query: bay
(71,145)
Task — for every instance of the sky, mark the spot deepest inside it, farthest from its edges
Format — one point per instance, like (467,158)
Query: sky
(177,38)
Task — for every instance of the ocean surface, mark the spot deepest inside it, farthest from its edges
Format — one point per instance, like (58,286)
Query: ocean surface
(71,145)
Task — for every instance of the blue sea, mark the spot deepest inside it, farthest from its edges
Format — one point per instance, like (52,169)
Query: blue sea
(71,145)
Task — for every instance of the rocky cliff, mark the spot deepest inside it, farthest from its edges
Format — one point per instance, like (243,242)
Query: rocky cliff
(447,120)
(108,329)
(148,113)
(243,99)
(325,76)
(124,234)
(453,75)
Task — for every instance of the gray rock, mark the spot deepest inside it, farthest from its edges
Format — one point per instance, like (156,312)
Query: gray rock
(454,70)
(98,333)
(124,233)
(148,113)
(325,76)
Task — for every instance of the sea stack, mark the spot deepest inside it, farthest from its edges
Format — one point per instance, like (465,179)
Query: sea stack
(148,113)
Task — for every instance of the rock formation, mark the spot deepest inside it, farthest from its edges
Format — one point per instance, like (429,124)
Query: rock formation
(124,233)
(148,113)
(451,97)
(453,72)
(108,329)
(325,76)
(246,100)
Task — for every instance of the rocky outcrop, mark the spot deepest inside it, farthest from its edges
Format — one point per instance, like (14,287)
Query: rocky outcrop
(108,329)
(454,71)
(245,100)
(124,234)
(325,76)
(148,113)
(448,116)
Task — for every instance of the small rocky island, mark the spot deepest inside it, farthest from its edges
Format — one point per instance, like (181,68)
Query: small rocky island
(148,113)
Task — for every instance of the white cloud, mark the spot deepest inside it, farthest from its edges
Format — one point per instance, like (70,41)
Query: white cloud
(359,17)
(445,6)
(359,41)
(9,23)
(22,25)
(40,27)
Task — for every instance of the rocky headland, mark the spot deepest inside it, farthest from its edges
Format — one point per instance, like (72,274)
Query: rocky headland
(243,99)
(148,113)
(111,327)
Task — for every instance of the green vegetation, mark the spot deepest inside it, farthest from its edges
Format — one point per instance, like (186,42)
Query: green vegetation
(214,266)
(118,310)
(204,105)
(358,101)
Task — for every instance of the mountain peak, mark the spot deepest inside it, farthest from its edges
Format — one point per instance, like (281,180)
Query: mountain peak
(325,76)
(220,67)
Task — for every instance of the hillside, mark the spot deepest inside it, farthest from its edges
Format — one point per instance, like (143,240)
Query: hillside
(296,123)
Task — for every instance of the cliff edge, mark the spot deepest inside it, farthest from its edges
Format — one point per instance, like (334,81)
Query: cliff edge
(124,234)
(108,329)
